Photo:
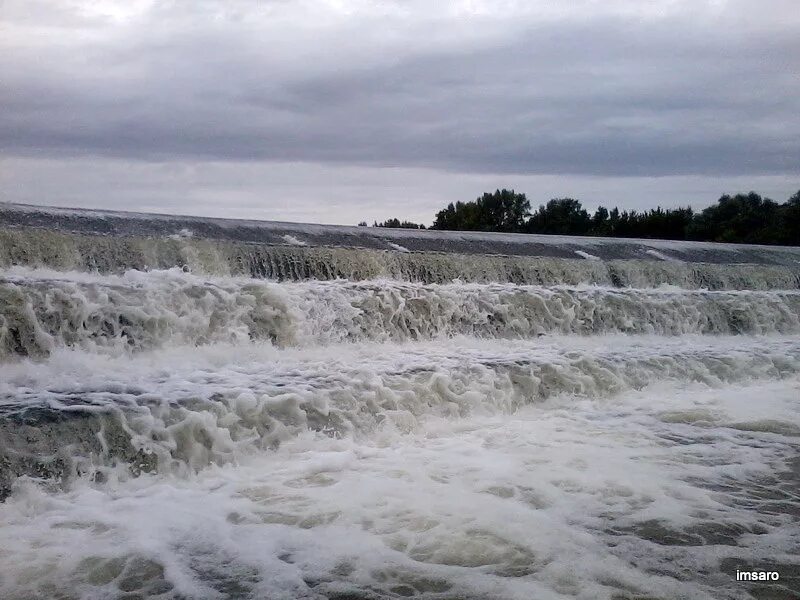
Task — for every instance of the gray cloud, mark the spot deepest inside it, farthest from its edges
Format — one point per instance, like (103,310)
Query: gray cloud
(343,110)
(591,94)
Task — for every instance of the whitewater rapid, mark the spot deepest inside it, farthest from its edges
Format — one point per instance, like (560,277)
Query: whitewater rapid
(141,311)
(190,417)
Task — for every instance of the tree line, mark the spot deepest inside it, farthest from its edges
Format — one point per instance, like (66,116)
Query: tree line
(394,224)
(742,218)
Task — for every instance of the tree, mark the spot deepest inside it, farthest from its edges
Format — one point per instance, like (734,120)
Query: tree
(504,210)
(743,218)
(601,222)
(397,224)
(789,217)
(563,216)
(746,218)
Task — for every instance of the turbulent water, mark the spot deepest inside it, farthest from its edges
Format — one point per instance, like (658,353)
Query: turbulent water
(187,417)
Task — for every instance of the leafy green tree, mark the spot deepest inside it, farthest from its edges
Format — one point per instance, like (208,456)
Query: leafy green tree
(398,224)
(504,210)
(746,218)
(601,222)
(564,216)
(743,218)
(789,218)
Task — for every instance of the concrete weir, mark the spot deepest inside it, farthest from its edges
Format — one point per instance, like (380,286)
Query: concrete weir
(113,242)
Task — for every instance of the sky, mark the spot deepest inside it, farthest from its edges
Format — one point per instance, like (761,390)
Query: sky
(339,111)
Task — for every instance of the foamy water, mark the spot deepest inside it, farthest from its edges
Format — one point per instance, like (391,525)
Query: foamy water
(575,430)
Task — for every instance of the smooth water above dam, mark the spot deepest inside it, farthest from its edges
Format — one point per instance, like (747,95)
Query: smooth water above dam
(202,408)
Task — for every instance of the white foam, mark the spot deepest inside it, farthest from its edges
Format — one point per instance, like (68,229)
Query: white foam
(390,438)
(398,247)
(143,310)
(586,255)
(500,506)
(659,255)
(182,234)
(293,241)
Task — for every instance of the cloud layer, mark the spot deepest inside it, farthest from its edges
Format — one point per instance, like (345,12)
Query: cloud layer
(608,89)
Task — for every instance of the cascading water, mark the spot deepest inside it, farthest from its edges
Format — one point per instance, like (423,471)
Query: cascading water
(207,409)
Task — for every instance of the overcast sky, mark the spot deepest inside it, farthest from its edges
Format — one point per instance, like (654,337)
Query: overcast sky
(342,110)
